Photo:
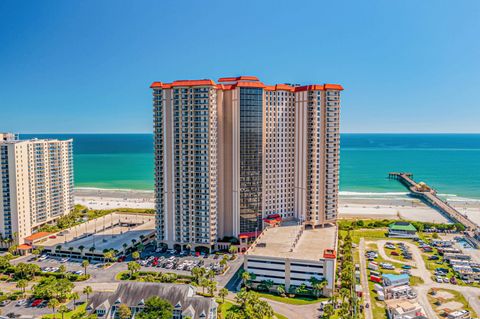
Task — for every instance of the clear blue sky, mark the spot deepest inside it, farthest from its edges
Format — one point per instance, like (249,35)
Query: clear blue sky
(85,66)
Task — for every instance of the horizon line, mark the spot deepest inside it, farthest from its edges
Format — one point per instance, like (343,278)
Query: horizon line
(471,133)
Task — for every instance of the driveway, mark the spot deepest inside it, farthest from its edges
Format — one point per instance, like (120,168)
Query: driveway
(364,280)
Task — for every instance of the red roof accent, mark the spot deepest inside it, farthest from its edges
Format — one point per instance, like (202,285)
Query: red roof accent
(156,85)
(24,247)
(37,235)
(204,82)
(284,87)
(333,87)
(246,81)
(250,85)
(313,87)
(249,234)
(228,86)
(239,78)
(329,253)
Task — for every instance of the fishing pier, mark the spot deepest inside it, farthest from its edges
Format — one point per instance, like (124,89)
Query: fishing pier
(429,195)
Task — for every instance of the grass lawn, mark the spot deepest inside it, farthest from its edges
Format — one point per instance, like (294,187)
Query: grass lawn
(416,281)
(291,301)
(69,314)
(398,251)
(457,296)
(378,307)
(368,234)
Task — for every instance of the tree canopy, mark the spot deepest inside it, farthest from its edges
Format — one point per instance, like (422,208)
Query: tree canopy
(156,308)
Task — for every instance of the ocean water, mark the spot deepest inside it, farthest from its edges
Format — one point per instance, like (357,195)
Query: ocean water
(448,162)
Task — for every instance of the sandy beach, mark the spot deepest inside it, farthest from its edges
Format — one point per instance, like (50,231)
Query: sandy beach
(351,205)
(96,198)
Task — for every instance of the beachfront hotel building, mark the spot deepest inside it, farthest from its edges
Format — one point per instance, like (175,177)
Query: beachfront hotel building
(232,152)
(36,184)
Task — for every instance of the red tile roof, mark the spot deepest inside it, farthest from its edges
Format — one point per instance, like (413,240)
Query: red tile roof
(37,235)
(239,78)
(24,247)
(246,81)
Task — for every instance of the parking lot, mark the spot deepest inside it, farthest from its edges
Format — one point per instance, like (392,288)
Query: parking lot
(150,260)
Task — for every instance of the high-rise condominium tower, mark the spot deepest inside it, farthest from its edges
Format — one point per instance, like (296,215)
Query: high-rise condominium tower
(36,183)
(229,154)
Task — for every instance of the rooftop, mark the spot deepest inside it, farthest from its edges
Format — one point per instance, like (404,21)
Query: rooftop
(402,226)
(294,242)
(107,232)
(136,294)
(229,83)
(37,236)
(396,277)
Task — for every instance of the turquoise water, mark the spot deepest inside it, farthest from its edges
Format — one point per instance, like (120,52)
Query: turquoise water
(449,162)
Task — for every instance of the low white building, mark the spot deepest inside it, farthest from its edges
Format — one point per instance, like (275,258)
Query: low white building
(404,309)
(291,255)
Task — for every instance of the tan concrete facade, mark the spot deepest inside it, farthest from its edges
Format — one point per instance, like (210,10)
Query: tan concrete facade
(36,183)
(275,151)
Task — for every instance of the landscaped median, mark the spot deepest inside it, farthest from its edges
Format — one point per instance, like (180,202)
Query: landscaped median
(297,300)
(152,276)
(229,307)
(78,312)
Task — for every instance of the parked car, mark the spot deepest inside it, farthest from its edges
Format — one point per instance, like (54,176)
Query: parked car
(42,257)
(394,253)
(4,303)
(64,260)
(36,302)
(21,302)
(434,257)
(407,267)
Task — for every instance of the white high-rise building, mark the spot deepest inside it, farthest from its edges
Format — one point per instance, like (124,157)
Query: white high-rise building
(36,184)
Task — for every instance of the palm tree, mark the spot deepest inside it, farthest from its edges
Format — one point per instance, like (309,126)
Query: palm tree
(109,255)
(92,249)
(212,287)
(87,291)
(58,247)
(63,309)
(22,284)
(124,248)
(75,296)
(53,303)
(133,267)
(210,274)
(317,285)
(268,284)
(62,269)
(85,264)
(246,278)
(233,250)
(281,290)
(81,248)
(223,293)
(135,255)
(204,282)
